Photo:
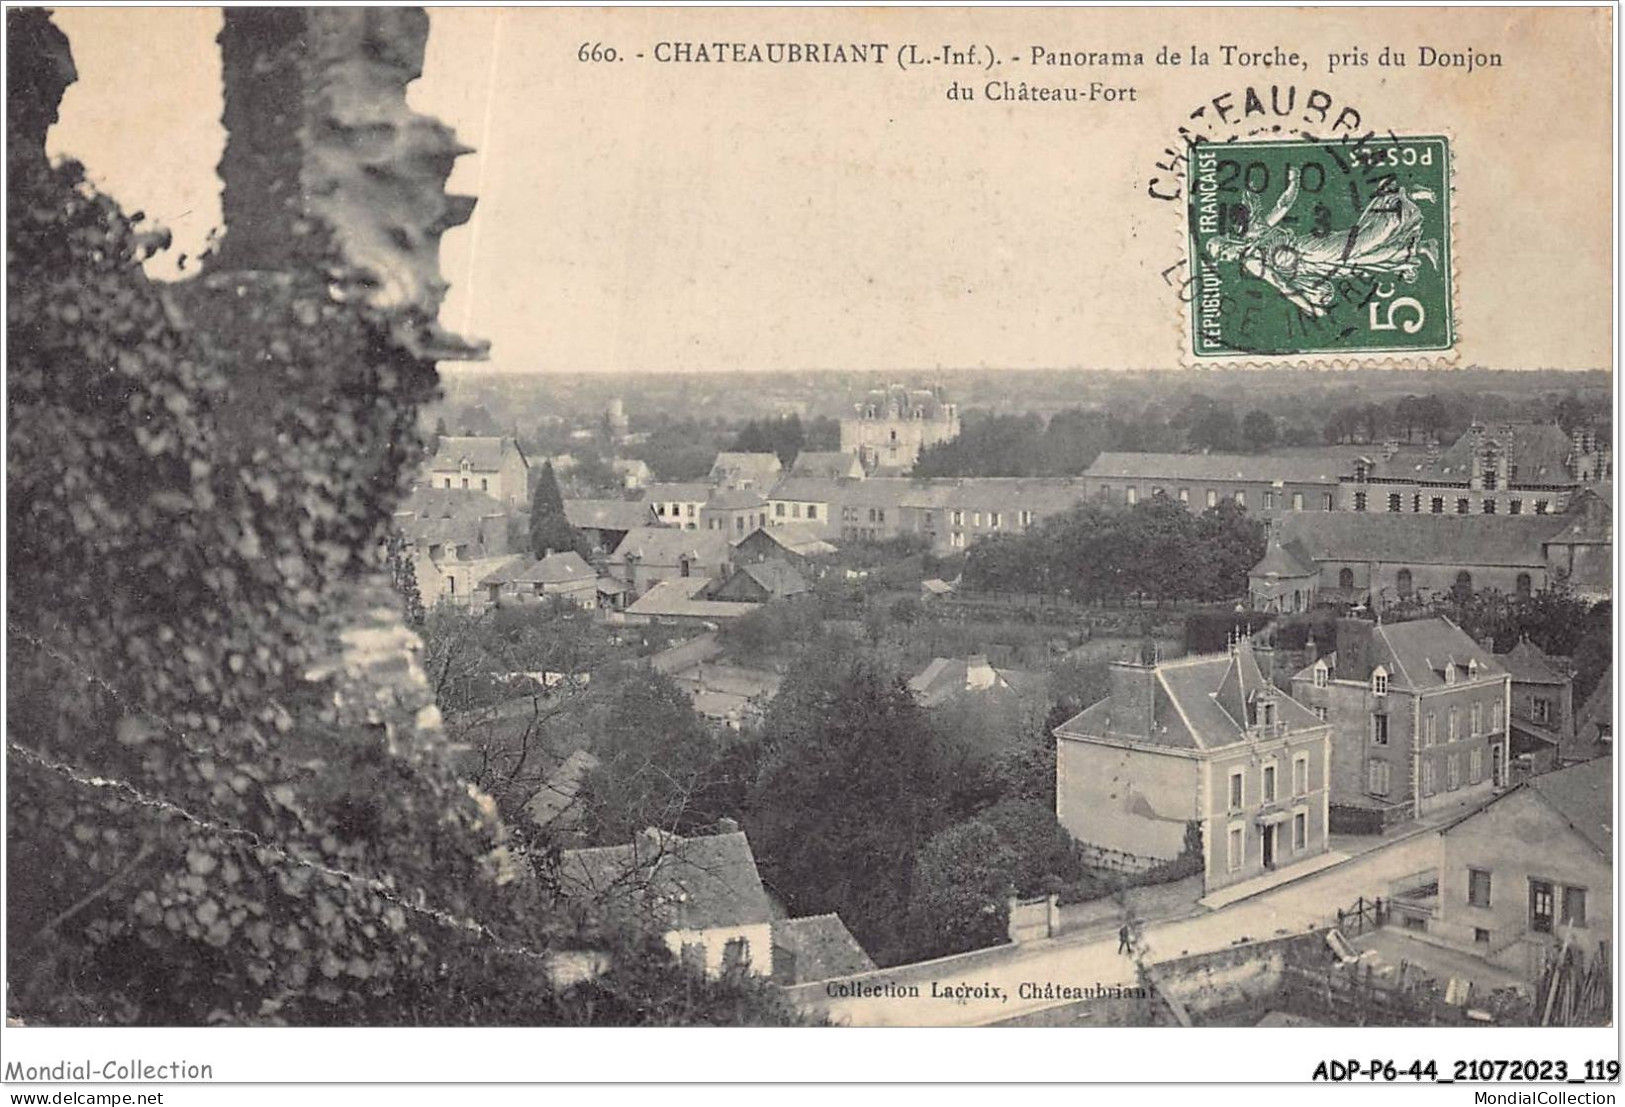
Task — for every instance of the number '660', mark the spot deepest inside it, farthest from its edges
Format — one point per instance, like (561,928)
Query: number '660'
(1389,314)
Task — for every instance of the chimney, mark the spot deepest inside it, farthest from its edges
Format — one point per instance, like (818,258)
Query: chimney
(1354,649)
(725,825)
(1311,649)
(979,675)
(1134,698)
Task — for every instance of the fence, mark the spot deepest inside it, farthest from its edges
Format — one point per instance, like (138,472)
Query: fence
(1364,915)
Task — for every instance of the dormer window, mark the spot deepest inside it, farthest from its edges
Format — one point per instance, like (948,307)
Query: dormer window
(1472,668)
(1379,681)
(1450,672)
(1320,673)
(1266,713)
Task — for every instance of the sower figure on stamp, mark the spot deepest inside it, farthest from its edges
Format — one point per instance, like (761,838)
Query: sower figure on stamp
(1385,239)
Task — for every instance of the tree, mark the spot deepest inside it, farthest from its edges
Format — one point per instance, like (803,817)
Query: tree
(550,530)
(1258,431)
(851,782)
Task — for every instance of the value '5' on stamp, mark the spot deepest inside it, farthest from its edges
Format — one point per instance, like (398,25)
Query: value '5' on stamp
(1303,247)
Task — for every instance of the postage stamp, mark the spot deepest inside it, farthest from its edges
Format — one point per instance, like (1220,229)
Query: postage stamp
(1330,247)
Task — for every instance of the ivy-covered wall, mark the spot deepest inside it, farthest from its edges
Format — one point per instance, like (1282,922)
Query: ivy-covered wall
(228,786)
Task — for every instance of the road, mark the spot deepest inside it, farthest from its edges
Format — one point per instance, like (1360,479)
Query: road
(989,985)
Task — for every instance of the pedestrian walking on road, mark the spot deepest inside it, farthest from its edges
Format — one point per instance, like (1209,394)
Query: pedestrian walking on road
(1122,940)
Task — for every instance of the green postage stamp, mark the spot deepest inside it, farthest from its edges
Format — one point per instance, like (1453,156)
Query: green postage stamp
(1302,247)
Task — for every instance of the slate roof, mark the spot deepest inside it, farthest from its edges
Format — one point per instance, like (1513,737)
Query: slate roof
(558,568)
(734,499)
(1581,795)
(686,654)
(822,948)
(678,599)
(1416,654)
(677,492)
(731,465)
(1282,562)
(1200,702)
(1595,717)
(1539,450)
(668,545)
(1426,539)
(1529,664)
(947,677)
(682,883)
(559,791)
(484,453)
(610,514)
(830,464)
(796,538)
(1261,468)
(776,577)
(810,489)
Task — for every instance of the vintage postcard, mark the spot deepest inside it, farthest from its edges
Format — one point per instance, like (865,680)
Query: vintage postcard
(533,522)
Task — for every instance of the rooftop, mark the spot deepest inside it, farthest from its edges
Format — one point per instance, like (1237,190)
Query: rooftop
(557,568)
(677,599)
(685,883)
(484,454)
(1425,539)
(1581,795)
(610,514)
(1324,468)
(669,545)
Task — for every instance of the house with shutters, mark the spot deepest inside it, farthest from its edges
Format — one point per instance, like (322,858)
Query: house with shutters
(1203,749)
(1531,874)
(1419,715)
(495,466)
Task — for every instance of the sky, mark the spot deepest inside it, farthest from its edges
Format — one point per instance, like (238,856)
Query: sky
(645,217)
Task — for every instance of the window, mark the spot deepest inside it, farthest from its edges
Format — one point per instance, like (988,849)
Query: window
(1524,586)
(1464,585)
(778,510)
(1184,495)
(1514,507)
(1404,583)
(1379,681)
(1212,498)
(1436,505)
(1450,672)
(1475,765)
(1131,495)
(1320,712)
(795,511)
(959,518)
(1574,907)
(465,482)
(660,509)
(1481,937)
(1489,507)
(1237,850)
(1320,672)
(1359,501)
(1106,493)
(485,485)
(1345,579)
(1541,709)
(1241,497)
(1452,771)
(1300,830)
(1416,504)
(1541,506)
(1269,783)
(1495,717)
(812,511)
(976,519)
(1297,501)
(1379,729)
(1478,887)
(448,482)
(1266,713)
(739,523)
(1430,728)
(1540,906)
(1269,499)
(993,520)
(1430,778)
(1300,774)
(1454,717)
(1463,506)
(690,511)
(1478,718)
(1394,502)
(1377,777)
(1237,790)
(1490,478)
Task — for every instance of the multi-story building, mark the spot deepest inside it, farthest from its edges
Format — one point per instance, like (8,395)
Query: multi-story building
(1505,470)
(1384,560)
(1419,714)
(892,425)
(678,504)
(495,466)
(1531,874)
(650,555)
(1265,484)
(1542,706)
(1203,747)
(745,471)
(734,512)
(954,514)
